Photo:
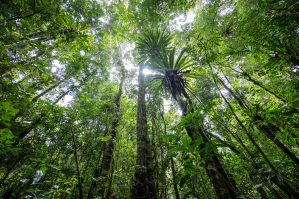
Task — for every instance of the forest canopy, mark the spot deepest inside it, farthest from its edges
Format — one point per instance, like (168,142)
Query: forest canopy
(149,99)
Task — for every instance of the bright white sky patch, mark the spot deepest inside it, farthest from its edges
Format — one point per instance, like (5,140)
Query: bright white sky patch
(181,20)
(147,71)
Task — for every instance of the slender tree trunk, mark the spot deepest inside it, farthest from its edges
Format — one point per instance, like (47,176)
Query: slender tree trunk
(143,184)
(77,164)
(255,82)
(289,188)
(108,191)
(265,129)
(108,153)
(97,173)
(60,97)
(51,88)
(175,184)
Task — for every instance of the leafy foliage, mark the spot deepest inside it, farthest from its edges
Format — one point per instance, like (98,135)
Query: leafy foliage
(233,70)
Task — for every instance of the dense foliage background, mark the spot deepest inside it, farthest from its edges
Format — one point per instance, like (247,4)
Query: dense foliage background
(78,119)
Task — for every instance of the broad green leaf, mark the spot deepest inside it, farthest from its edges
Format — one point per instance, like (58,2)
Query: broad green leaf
(278,136)
(186,141)
(196,144)
(104,139)
(5,117)
(246,172)
(284,136)
(171,155)
(165,137)
(43,169)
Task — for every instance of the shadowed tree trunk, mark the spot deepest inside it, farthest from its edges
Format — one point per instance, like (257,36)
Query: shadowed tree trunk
(97,172)
(77,163)
(143,183)
(255,82)
(214,169)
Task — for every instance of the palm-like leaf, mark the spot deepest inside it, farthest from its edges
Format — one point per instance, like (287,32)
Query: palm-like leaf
(153,50)
(151,44)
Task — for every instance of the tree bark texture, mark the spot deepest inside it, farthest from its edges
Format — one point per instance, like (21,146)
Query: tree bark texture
(143,183)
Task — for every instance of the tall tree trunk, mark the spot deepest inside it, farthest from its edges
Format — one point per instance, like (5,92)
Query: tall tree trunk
(143,184)
(108,191)
(175,184)
(214,169)
(108,153)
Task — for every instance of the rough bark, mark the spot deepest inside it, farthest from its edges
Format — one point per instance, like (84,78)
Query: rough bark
(213,167)
(143,184)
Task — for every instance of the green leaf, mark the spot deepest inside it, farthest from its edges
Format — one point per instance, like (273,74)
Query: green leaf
(176,149)
(5,117)
(292,141)
(104,139)
(8,142)
(166,137)
(6,105)
(171,155)
(43,169)
(284,136)
(186,141)
(246,172)
(15,149)
(196,144)
(277,136)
